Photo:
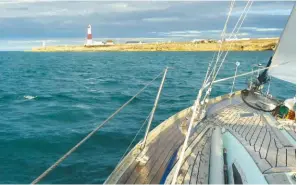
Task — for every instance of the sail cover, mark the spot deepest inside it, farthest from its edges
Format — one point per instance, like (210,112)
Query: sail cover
(285,54)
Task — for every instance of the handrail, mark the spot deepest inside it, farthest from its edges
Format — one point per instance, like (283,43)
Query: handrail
(46,172)
(232,88)
(243,74)
(240,75)
(154,109)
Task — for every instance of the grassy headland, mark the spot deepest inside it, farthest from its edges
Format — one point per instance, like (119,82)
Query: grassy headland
(239,45)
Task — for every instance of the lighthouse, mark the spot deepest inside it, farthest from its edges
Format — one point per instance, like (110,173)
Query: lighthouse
(89,37)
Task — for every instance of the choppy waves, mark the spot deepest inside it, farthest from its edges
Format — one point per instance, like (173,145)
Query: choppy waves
(69,94)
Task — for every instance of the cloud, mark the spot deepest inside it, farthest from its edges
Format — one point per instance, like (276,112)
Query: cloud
(48,19)
(213,31)
(265,12)
(271,12)
(185,33)
(237,35)
(161,19)
(30,41)
(269,29)
(215,34)
(262,29)
(272,8)
(189,33)
(49,8)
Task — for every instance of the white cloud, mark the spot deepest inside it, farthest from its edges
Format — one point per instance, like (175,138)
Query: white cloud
(198,34)
(161,19)
(266,8)
(185,33)
(271,12)
(262,29)
(181,20)
(3,2)
(269,29)
(31,41)
(213,31)
(264,12)
(188,33)
(237,35)
(54,13)
(43,8)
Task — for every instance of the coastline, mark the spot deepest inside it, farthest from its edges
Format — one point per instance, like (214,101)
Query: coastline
(238,45)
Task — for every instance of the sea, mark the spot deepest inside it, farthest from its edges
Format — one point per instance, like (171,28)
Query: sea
(50,101)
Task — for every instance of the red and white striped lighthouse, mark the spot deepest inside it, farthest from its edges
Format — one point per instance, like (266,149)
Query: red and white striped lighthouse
(89,37)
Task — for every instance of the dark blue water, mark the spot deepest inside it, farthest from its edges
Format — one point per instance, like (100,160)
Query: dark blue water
(50,101)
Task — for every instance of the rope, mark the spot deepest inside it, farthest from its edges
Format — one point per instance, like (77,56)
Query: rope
(223,60)
(214,72)
(247,73)
(196,105)
(240,21)
(235,27)
(91,133)
(224,31)
(222,39)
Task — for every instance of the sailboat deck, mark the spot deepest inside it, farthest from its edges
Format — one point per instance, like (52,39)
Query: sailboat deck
(158,153)
(255,130)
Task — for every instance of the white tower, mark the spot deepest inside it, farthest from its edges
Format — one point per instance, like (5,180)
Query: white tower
(89,37)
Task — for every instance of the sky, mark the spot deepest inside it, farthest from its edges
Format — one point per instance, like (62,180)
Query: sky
(25,23)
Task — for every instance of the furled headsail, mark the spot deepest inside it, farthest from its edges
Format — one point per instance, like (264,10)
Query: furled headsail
(285,54)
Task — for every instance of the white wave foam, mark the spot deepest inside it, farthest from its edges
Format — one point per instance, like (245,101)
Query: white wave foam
(81,106)
(29,97)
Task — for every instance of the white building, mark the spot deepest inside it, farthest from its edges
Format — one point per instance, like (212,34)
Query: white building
(109,42)
(196,40)
(43,44)
(97,43)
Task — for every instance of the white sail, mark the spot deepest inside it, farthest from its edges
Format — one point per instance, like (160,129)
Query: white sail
(285,54)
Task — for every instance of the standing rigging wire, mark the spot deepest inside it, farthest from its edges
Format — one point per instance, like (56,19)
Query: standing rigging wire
(197,105)
(223,35)
(239,21)
(196,109)
(222,39)
(240,18)
(223,60)
(212,75)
